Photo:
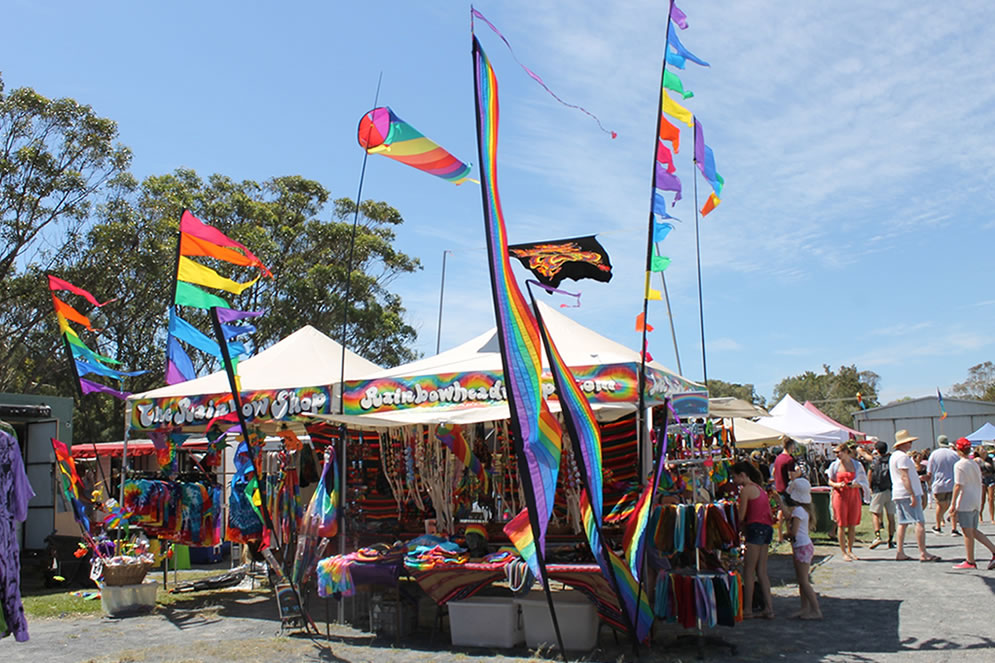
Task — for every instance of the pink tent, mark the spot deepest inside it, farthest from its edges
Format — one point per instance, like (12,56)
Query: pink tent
(817,412)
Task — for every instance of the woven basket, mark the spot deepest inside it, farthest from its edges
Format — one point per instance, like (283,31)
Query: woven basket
(125,574)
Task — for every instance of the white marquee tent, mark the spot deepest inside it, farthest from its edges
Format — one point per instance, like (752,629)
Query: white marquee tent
(791,418)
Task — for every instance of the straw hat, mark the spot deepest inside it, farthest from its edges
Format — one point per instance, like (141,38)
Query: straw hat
(903,437)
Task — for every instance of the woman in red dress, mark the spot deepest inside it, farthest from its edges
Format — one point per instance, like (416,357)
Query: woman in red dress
(844,478)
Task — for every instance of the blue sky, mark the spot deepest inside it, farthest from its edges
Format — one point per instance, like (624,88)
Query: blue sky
(856,139)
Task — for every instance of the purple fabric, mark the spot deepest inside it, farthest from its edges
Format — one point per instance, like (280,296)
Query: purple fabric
(667,182)
(678,16)
(90,387)
(699,146)
(15,492)
(231,315)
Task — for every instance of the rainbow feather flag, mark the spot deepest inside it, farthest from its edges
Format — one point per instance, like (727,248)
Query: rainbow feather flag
(381,131)
(452,437)
(536,431)
(586,436)
(70,482)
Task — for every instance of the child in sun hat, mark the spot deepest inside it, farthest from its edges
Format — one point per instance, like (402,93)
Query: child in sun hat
(799,500)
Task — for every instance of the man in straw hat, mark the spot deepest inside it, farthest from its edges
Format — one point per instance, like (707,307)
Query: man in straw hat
(906,492)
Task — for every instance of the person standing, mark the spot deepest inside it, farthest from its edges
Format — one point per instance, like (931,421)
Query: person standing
(785,469)
(881,502)
(906,492)
(940,475)
(984,461)
(799,499)
(967,503)
(753,509)
(847,479)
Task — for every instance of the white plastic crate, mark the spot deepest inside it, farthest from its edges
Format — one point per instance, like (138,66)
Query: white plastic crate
(128,599)
(485,621)
(576,615)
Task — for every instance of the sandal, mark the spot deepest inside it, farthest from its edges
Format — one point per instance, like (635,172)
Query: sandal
(929,558)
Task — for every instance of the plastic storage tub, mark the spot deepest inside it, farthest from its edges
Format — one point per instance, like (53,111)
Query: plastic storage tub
(128,599)
(575,614)
(486,621)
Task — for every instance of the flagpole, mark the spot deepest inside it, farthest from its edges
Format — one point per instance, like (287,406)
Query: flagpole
(640,414)
(670,316)
(697,252)
(442,289)
(343,341)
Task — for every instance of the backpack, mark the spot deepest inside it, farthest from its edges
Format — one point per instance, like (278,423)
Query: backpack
(880,474)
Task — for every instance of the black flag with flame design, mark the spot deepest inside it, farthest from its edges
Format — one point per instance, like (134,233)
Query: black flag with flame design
(576,258)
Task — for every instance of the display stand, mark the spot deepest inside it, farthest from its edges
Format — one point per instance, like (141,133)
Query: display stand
(699,639)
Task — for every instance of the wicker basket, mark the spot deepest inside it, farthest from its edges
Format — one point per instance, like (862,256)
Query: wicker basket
(132,573)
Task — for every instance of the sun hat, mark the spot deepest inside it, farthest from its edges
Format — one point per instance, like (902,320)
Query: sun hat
(800,490)
(942,440)
(903,437)
(963,444)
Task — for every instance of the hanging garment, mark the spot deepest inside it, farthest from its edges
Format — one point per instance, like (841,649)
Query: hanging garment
(15,491)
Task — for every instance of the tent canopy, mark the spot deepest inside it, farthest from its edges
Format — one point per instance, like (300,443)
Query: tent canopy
(135,448)
(465,384)
(286,381)
(984,434)
(751,435)
(791,418)
(819,413)
(728,407)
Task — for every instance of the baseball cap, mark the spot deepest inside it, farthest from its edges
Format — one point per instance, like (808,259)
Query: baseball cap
(963,444)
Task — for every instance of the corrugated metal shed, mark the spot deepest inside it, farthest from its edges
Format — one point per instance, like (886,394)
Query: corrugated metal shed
(921,417)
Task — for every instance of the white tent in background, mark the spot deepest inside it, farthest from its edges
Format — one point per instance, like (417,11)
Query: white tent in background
(304,365)
(728,407)
(791,418)
(984,434)
(751,435)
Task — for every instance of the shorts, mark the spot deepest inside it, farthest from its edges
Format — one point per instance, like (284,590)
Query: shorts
(987,480)
(804,554)
(907,515)
(759,534)
(968,519)
(882,502)
(943,497)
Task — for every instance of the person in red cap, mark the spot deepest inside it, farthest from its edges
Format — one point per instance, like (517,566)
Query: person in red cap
(967,503)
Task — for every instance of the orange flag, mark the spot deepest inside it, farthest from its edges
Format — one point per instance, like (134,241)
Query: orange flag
(195,246)
(68,312)
(710,204)
(671,133)
(641,322)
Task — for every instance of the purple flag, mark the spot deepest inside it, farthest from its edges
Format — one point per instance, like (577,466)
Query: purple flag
(667,182)
(678,17)
(231,315)
(699,146)
(90,387)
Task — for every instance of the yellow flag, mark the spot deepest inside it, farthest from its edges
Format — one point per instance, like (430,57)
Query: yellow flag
(676,111)
(193,272)
(650,293)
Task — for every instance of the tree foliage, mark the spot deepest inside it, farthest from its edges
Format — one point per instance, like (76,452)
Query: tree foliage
(979,385)
(68,206)
(835,393)
(746,392)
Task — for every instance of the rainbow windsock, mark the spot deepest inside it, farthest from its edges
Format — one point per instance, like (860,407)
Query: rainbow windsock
(381,131)
(536,430)
(70,482)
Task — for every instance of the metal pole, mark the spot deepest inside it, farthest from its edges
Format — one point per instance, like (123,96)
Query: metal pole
(442,289)
(670,316)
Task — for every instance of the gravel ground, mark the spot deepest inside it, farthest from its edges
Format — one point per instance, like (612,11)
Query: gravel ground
(875,609)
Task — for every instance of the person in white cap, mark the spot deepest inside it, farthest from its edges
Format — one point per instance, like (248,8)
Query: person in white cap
(798,498)
(906,493)
(940,475)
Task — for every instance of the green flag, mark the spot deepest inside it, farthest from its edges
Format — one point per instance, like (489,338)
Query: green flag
(188,294)
(672,81)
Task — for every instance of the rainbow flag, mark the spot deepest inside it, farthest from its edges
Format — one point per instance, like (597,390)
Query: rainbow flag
(381,131)
(939,399)
(70,482)
(535,428)
(586,436)
(452,437)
